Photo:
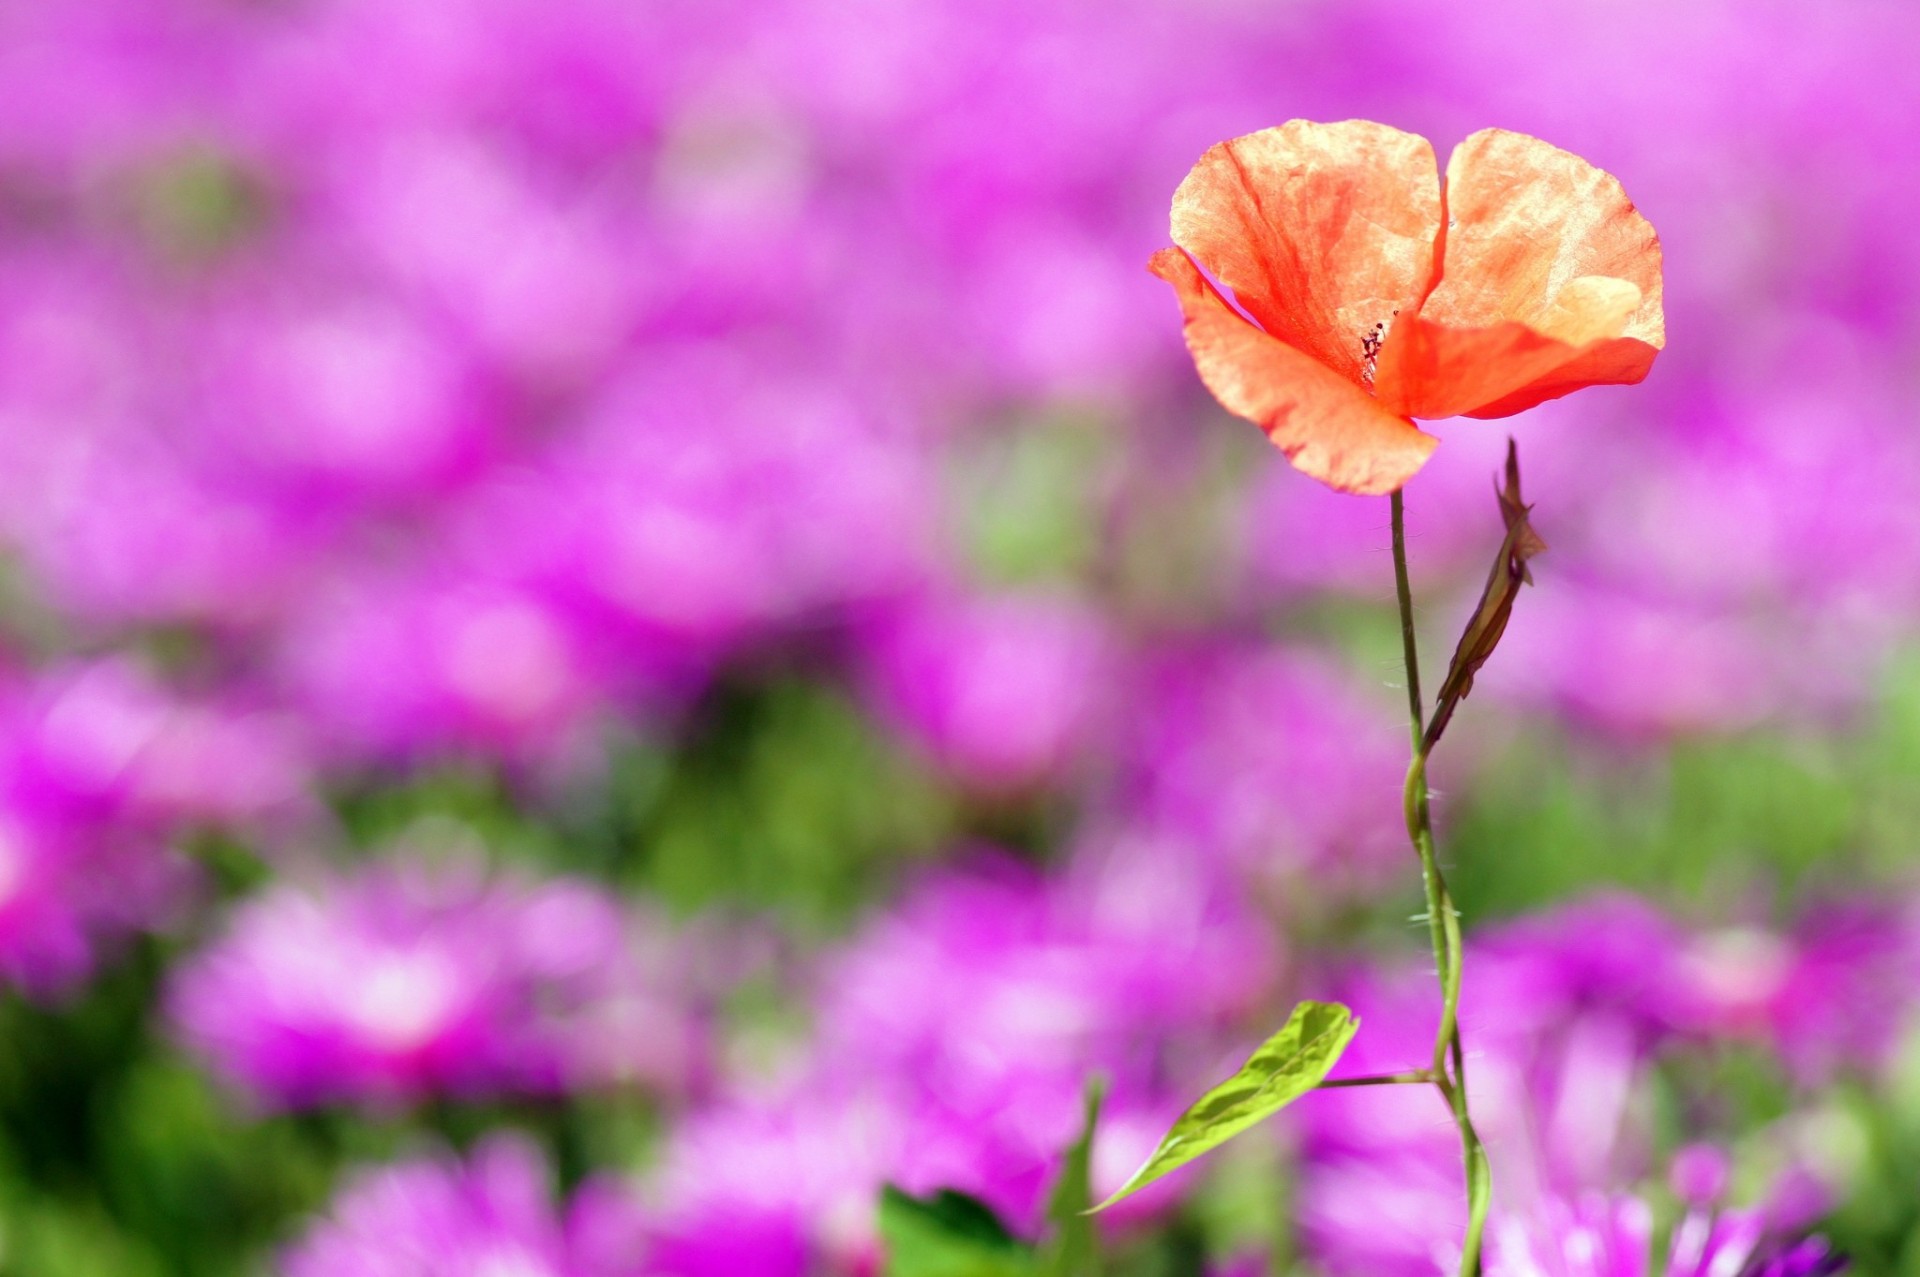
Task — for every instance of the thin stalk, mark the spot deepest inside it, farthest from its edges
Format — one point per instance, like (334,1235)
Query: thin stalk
(1448,1070)
(1409,649)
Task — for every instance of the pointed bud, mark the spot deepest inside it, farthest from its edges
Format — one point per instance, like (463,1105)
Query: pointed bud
(1510,572)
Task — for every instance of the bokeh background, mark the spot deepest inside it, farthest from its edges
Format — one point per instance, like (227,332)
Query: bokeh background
(624,621)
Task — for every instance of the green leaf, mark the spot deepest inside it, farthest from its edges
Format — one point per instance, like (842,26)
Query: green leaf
(948,1235)
(1074,1249)
(1289,1064)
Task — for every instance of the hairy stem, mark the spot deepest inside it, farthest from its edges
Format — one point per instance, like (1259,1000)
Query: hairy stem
(1448,1070)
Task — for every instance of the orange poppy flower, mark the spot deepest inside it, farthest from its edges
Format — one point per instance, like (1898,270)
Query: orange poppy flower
(1365,291)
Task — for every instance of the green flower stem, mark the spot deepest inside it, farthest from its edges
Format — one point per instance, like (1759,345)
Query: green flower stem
(1448,1071)
(1409,649)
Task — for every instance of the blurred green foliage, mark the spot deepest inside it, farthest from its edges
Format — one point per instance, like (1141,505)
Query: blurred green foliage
(118,1157)
(781,797)
(1757,820)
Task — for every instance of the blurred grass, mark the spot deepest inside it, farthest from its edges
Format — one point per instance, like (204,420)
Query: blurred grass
(787,799)
(117,1157)
(782,797)
(1759,818)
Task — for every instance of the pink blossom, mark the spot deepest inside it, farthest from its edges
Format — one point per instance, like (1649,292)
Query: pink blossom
(438,664)
(1003,691)
(1612,1237)
(1268,762)
(1041,986)
(491,1215)
(1830,993)
(405,982)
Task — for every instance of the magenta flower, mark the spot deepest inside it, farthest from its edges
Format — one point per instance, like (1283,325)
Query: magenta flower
(1270,764)
(1565,1011)
(1042,984)
(1651,667)
(68,891)
(1596,1237)
(1104,965)
(136,539)
(538,273)
(84,860)
(1612,1237)
(408,981)
(491,1215)
(439,664)
(1003,691)
(1699,1175)
(785,1182)
(732,531)
(1609,954)
(1831,993)
(336,402)
(106,742)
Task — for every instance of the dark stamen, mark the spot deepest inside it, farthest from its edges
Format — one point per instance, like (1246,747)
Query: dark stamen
(1370,351)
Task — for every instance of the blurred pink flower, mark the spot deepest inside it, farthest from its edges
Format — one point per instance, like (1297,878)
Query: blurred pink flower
(67,890)
(491,1215)
(86,813)
(408,981)
(1644,667)
(444,664)
(1041,985)
(1563,1012)
(343,401)
(1105,968)
(1830,994)
(1567,1012)
(107,741)
(1612,1237)
(1004,691)
(713,498)
(542,278)
(1267,762)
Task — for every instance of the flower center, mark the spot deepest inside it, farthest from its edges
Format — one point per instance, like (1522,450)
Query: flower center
(1370,343)
(404,1001)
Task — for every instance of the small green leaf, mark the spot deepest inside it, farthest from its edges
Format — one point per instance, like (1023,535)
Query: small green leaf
(948,1235)
(1074,1249)
(1289,1064)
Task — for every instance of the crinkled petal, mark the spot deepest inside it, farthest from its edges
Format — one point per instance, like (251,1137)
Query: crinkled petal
(1328,427)
(1322,231)
(1550,280)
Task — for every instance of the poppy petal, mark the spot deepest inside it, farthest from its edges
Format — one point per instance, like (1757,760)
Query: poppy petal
(1550,280)
(1328,427)
(1322,231)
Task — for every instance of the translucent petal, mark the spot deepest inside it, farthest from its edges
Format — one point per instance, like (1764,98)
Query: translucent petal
(1329,427)
(1321,231)
(1550,280)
